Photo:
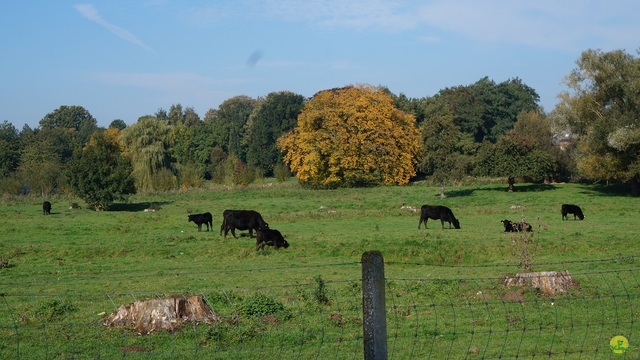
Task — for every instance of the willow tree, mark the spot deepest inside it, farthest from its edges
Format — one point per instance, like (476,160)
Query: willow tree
(603,111)
(145,142)
(352,136)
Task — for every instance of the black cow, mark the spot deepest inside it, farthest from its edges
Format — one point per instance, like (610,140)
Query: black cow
(510,226)
(241,220)
(46,208)
(200,219)
(270,237)
(437,212)
(572,209)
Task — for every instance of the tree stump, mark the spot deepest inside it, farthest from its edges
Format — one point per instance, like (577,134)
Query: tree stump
(146,316)
(548,282)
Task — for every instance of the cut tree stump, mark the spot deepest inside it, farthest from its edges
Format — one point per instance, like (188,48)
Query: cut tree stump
(548,282)
(146,316)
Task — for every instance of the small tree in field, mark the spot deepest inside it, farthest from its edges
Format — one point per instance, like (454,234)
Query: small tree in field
(101,173)
(353,136)
(524,151)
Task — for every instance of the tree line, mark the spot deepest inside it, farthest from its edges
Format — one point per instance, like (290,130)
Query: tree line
(358,135)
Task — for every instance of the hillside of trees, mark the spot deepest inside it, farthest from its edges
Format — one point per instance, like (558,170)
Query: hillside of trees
(352,136)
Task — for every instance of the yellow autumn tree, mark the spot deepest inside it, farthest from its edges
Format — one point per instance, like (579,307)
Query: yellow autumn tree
(352,136)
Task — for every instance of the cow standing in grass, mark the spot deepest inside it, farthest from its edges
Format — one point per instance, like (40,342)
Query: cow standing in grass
(437,212)
(46,208)
(200,219)
(571,209)
(242,220)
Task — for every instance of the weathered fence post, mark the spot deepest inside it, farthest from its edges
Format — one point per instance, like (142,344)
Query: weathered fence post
(373,306)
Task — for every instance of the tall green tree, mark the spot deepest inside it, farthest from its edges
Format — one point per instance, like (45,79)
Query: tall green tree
(118,124)
(445,158)
(10,146)
(100,173)
(518,153)
(463,104)
(411,106)
(274,116)
(190,117)
(485,110)
(75,118)
(603,110)
(229,120)
(40,165)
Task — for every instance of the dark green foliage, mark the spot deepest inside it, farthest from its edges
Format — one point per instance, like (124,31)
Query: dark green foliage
(260,305)
(277,114)
(46,150)
(514,157)
(55,310)
(118,124)
(445,157)
(40,164)
(484,110)
(320,292)
(74,118)
(100,173)
(411,106)
(9,149)
(229,121)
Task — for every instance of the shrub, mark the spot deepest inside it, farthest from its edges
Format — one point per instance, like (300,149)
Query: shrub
(55,310)
(189,176)
(164,180)
(260,305)
(320,292)
(281,172)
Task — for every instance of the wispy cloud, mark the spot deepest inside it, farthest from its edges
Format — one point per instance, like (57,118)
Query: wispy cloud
(569,24)
(91,13)
(386,15)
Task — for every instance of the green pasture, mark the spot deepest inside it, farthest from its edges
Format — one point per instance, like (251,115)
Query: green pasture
(67,271)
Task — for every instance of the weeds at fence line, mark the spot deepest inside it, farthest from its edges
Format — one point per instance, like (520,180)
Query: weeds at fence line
(469,316)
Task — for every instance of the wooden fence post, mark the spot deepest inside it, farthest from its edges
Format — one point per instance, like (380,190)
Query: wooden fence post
(373,306)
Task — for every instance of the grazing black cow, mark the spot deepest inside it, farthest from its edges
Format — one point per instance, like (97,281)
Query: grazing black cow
(510,226)
(437,212)
(46,208)
(200,219)
(270,237)
(241,220)
(572,209)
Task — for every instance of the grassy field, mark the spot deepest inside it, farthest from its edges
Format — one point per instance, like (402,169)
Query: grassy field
(67,271)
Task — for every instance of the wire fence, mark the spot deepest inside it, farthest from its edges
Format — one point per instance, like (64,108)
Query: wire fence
(473,315)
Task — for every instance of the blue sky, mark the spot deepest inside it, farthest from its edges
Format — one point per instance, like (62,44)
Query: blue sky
(122,59)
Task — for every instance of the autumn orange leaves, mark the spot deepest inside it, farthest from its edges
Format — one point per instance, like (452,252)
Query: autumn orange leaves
(352,136)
